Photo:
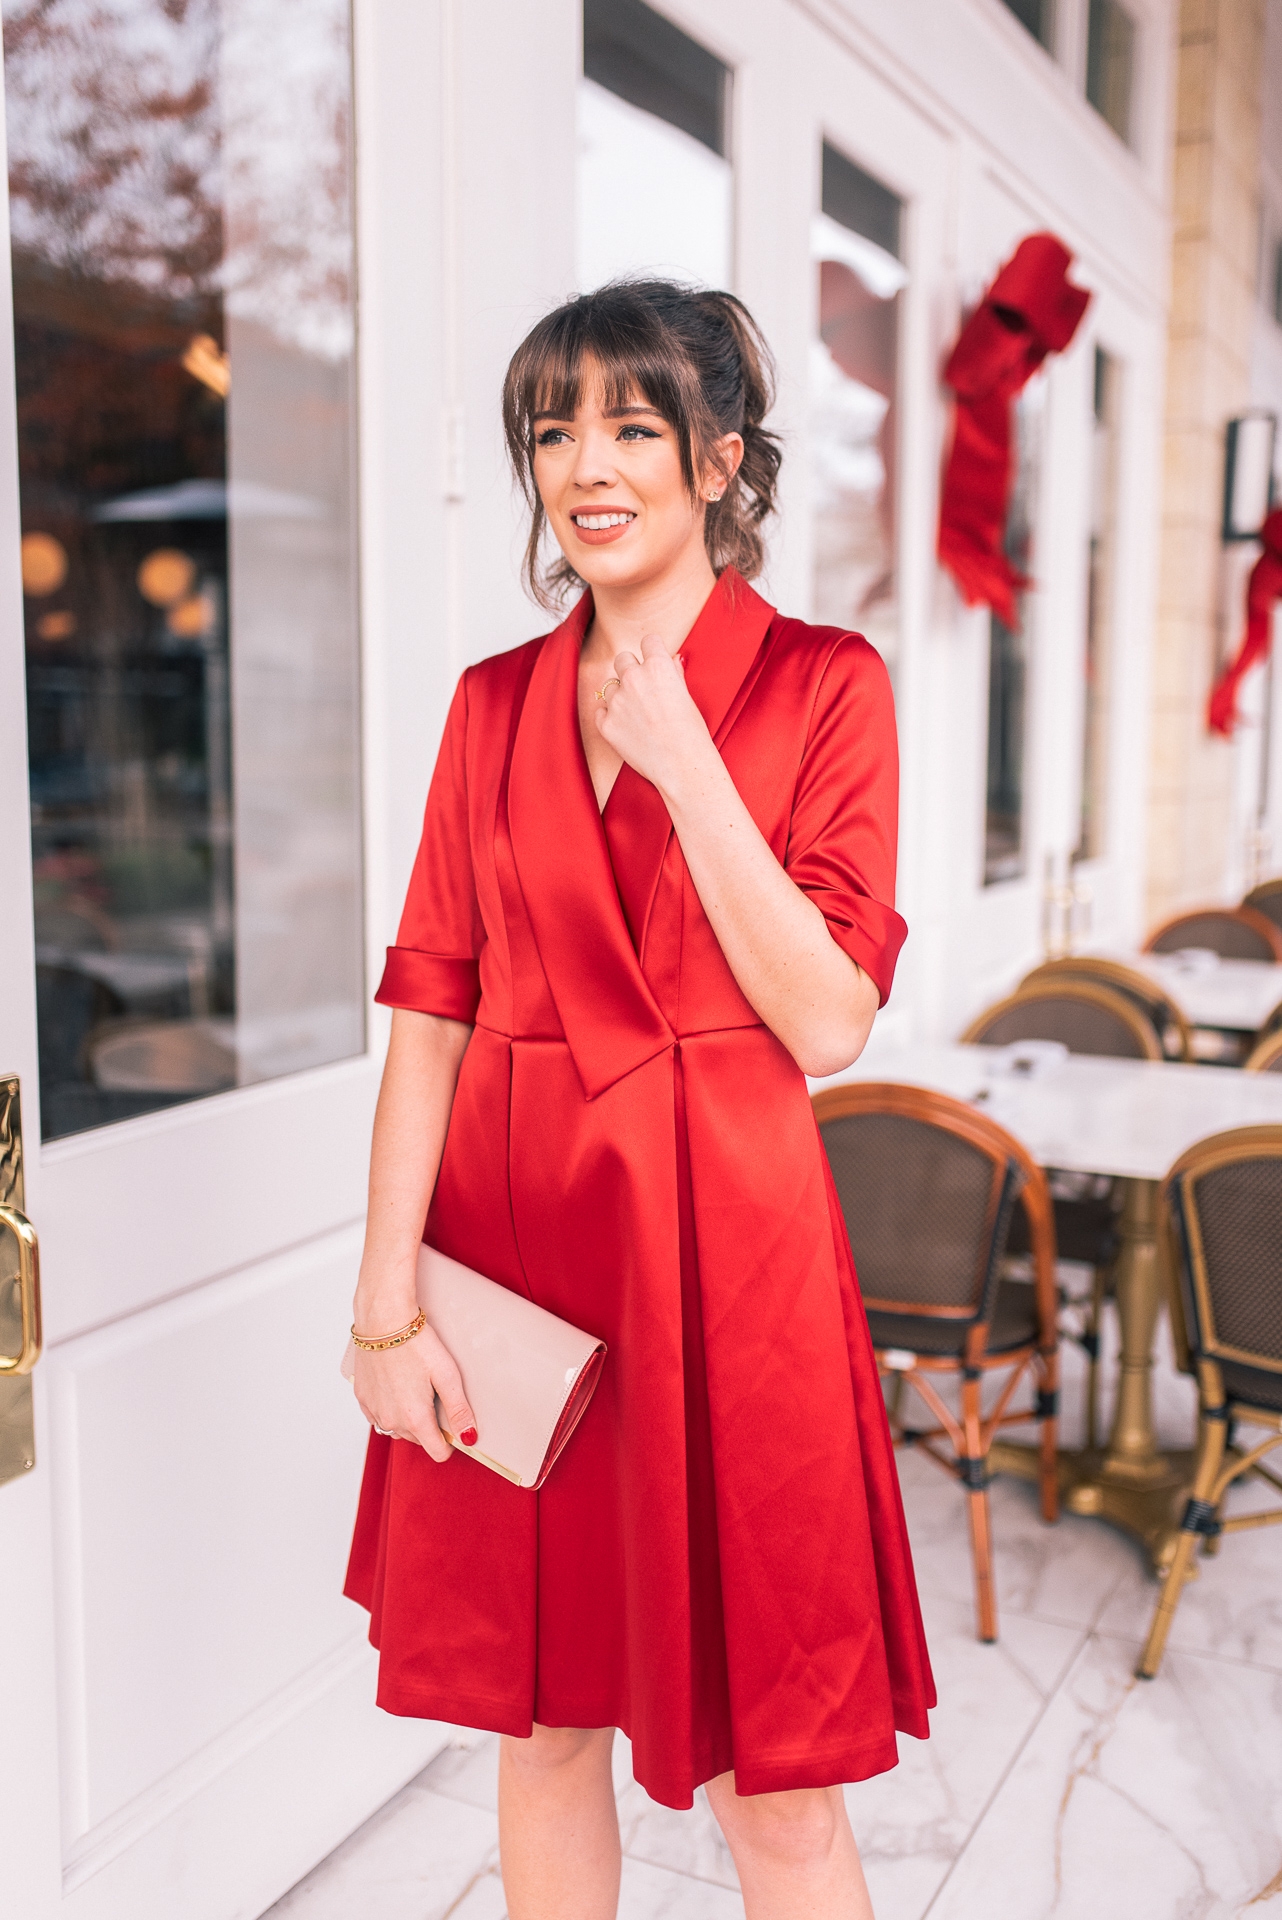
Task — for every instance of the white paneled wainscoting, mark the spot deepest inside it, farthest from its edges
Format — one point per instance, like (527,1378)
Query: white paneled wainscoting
(221,1550)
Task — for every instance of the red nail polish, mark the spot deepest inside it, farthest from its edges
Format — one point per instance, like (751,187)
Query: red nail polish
(468,1437)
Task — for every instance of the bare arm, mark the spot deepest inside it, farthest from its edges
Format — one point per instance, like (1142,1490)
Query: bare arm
(791,971)
(395,1388)
(810,994)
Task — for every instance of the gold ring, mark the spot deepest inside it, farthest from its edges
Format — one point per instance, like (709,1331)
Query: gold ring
(613,681)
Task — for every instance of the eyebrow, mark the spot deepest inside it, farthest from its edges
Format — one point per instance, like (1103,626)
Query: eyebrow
(610,413)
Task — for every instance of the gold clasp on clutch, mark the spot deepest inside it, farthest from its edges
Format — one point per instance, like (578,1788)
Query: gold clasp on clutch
(474,1453)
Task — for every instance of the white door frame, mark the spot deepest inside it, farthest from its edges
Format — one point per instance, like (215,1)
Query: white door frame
(199,1224)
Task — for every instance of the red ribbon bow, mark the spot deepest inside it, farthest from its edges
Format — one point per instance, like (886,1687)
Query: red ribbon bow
(1031,309)
(1262,589)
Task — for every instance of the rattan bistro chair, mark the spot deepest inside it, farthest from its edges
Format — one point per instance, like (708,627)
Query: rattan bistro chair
(927,1185)
(1157,1006)
(1087,1017)
(1272,1024)
(1222,1218)
(1081,1015)
(1267,899)
(1266,1056)
(1235,933)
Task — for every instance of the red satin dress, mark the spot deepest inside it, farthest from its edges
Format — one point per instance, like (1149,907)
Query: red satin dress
(718,1562)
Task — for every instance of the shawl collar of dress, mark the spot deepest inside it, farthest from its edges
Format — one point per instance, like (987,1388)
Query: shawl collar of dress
(612,1021)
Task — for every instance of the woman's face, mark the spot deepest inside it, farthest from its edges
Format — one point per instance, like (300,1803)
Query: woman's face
(611,485)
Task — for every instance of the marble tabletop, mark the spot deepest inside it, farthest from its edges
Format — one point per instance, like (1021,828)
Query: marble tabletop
(1210,992)
(1130,1118)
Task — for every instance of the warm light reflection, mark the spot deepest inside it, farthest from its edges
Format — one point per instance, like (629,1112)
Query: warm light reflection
(205,361)
(192,619)
(56,626)
(44,564)
(165,576)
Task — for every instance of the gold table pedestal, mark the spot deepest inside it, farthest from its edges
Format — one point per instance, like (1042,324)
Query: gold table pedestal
(1129,1483)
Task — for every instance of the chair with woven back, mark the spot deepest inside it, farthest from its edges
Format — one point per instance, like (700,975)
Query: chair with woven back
(1157,1006)
(1267,899)
(1082,1015)
(1222,1222)
(1087,1017)
(1235,933)
(1266,1056)
(1271,1024)
(928,1186)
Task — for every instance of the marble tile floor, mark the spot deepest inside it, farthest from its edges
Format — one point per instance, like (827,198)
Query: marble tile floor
(1054,1784)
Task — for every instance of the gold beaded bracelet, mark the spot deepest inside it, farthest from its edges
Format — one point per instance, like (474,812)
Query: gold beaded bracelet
(396,1339)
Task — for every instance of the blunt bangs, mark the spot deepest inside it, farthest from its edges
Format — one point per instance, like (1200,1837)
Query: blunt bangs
(627,346)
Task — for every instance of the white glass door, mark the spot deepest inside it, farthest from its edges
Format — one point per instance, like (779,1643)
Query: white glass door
(189,1720)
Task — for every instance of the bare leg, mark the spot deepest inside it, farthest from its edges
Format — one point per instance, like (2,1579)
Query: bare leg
(795,1853)
(558,1829)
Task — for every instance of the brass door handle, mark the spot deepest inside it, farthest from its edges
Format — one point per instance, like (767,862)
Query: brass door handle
(28,1291)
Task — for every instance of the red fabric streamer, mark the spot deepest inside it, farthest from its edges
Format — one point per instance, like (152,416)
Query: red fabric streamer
(1262,589)
(1031,309)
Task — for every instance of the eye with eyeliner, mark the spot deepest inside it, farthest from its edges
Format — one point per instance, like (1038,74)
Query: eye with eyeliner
(631,432)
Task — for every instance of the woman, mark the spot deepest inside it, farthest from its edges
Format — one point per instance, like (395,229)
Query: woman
(653,892)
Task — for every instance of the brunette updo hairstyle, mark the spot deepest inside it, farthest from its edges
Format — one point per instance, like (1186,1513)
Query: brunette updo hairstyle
(699,358)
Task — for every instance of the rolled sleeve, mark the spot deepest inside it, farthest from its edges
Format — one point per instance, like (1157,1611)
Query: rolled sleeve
(872,936)
(843,834)
(434,966)
(430,983)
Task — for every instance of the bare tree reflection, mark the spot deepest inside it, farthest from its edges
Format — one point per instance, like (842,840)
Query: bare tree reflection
(191,148)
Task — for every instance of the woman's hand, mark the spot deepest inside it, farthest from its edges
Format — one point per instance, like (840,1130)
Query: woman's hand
(395,1387)
(650,720)
(395,1390)
(810,993)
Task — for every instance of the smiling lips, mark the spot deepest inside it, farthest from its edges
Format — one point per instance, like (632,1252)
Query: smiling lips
(601,526)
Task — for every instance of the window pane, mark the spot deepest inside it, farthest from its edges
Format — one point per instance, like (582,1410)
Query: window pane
(855,200)
(854,404)
(654,193)
(181,231)
(1038,16)
(1110,58)
(1099,608)
(634,52)
(1005,855)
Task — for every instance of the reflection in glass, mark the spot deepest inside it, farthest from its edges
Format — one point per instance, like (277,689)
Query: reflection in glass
(655,191)
(1101,575)
(1009,648)
(859,203)
(853,411)
(636,53)
(1110,64)
(1038,16)
(181,232)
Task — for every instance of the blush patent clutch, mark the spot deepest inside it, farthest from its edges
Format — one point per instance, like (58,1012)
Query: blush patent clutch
(528,1376)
